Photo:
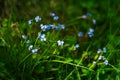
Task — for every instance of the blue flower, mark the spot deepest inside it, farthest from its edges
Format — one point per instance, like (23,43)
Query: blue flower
(55,18)
(106,62)
(42,37)
(52,14)
(80,34)
(91,32)
(37,18)
(61,26)
(34,51)
(76,46)
(60,43)
(48,27)
(43,27)
(30,22)
(52,26)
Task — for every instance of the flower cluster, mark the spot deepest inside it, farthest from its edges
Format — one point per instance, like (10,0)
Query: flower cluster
(100,50)
(91,32)
(43,37)
(102,58)
(52,26)
(55,17)
(33,50)
(41,34)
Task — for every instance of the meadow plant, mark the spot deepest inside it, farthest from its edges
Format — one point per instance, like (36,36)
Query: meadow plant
(44,35)
(47,45)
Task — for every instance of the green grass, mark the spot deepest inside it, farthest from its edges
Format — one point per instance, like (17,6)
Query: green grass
(53,62)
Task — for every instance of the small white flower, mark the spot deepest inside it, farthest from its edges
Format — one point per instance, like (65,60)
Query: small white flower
(94,21)
(60,43)
(84,16)
(94,62)
(101,58)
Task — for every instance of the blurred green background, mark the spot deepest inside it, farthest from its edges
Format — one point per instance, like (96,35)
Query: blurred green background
(103,10)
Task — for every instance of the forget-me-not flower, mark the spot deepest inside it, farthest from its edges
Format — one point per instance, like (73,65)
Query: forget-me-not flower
(56,18)
(30,47)
(60,43)
(34,51)
(48,27)
(91,32)
(30,22)
(76,46)
(52,14)
(43,27)
(80,34)
(61,26)
(42,37)
(99,51)
(37,18)
(106,62)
